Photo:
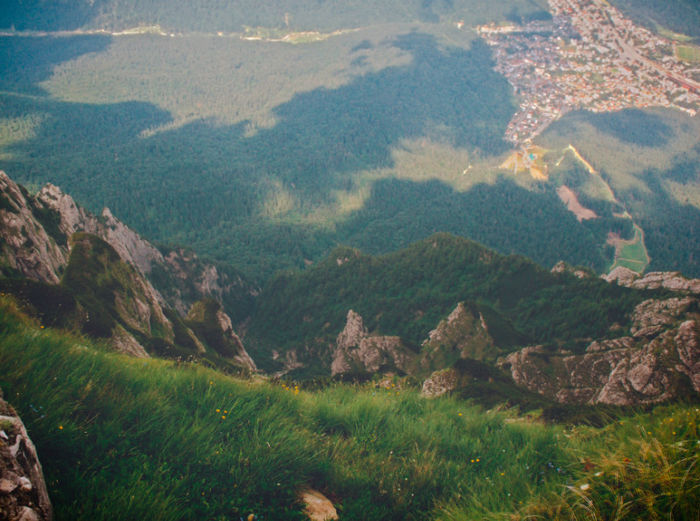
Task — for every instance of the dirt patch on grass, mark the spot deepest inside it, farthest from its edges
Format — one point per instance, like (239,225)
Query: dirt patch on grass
(568,197)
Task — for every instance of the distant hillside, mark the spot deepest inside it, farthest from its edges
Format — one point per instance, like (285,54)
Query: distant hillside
(650,159)
(376,139)
(680,16)
(267,154)
(408,292)
(204,15)
(72,270)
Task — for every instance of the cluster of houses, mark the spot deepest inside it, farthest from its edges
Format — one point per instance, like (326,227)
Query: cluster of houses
(589,56)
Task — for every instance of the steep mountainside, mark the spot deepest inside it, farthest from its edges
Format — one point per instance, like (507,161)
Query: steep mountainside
(76,271)
(446,310)
(408,292)
(451,311)
(657,361)
(23,491)
(36,232)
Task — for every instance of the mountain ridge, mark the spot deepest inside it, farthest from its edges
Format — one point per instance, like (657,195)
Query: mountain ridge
(445,309)
(94,274)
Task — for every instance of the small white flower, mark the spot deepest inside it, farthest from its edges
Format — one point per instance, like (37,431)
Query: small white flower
(585,486)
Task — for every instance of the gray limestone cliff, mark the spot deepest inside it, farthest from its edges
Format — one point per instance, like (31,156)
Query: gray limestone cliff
(23,493)
(658,361)
(215,330)
(35,232)
(356,351)
(26,247)
(671,280)
(463,334)
(123,286)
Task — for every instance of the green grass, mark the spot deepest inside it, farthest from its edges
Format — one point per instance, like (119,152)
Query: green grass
(633,256)
(124,438)
(688,53)
(643,467)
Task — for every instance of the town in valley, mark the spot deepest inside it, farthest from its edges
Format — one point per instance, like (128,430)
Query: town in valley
(588,56)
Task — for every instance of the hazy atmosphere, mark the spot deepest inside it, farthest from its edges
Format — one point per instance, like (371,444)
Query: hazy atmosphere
(301,259)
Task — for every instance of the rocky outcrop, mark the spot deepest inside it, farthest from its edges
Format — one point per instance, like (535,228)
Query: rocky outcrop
(356,351)
(317,506)
(463,334)
(652,316)
(102,280)
(188,279)
(26,247)
(35,234)
(658,362)
(209,321)
(107,270)
(671,280)
(441,382)
(563,267)
(23,493)
(289,361)
(124,342)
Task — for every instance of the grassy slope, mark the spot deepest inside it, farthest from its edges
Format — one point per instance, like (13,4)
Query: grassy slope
(121,438)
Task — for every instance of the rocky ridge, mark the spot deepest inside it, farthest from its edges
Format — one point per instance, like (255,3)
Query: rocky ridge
(356,351)
(671,280)
(658,361)
(23,493)
(35,232)
(463,334)
(98,275)
(214,327)
(26,246)
(106,269)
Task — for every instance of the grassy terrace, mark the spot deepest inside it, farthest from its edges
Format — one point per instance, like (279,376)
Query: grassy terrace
(125,438)
(632,254)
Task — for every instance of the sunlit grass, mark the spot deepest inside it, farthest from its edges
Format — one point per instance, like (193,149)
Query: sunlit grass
(643,467)
(688,53)
(125,438)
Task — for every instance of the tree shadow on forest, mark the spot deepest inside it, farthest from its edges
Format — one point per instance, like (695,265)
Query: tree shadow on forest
(634,126)
(26,61)
(321,140)
(502,216)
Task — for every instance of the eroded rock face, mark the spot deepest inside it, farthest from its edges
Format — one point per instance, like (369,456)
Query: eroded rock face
(23,493)
(671,280)
(241,356)
(36,232)
(214,326)
(440,382)
(463,334)
(95,266)
(356,351)
(563,267)
(124,342)
(25,244)
(652,316)
(189,280)
(660,361)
